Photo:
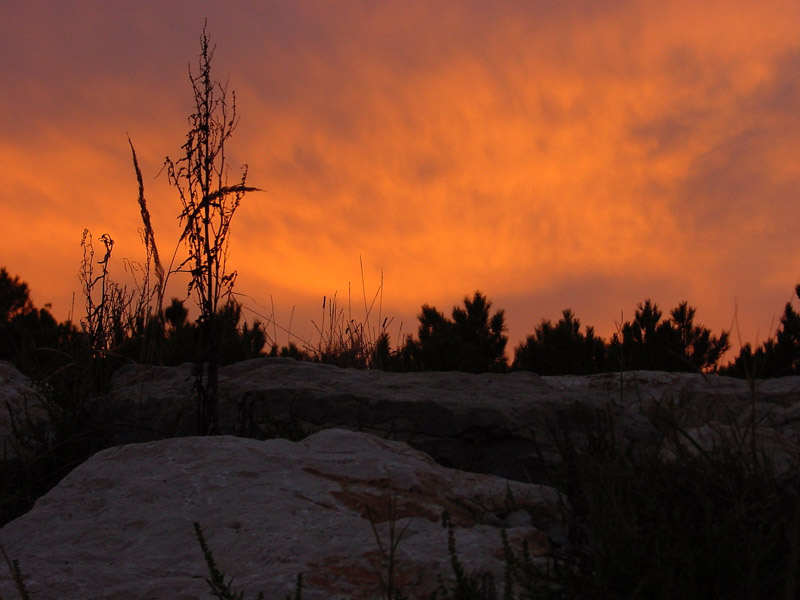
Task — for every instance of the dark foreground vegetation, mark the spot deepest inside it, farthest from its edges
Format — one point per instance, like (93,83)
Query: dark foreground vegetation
(708,524)
(721,523)
(471,339)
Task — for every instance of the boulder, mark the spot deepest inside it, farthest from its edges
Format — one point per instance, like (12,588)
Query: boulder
(120,526)
(694,399)
(21,410)
(509,425)
(503,424)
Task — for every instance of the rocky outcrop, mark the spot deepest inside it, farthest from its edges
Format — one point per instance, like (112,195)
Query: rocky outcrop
(120,525)
(20,407)
(509,425)
(506,425)
(701,412)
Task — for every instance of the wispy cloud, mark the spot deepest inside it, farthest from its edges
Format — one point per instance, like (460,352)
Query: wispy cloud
(583,154)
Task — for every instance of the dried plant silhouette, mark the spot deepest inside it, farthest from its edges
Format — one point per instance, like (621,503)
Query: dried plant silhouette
(209,203)
(116,317)
(106,301)
(343,340)
(149,295)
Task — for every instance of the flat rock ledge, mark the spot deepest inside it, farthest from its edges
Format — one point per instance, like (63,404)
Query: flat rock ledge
(503,424)
(120,526)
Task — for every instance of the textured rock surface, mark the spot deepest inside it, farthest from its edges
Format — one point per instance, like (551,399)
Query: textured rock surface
(120,525)
(489,423)
(18,401)
(499,424)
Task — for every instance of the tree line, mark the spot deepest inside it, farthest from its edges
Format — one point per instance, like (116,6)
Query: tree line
(472,339)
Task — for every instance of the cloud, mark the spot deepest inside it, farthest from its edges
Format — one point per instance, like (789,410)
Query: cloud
(517,147)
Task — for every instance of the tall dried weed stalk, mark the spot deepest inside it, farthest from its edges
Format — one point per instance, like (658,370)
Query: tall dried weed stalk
(209,203)
(151,297)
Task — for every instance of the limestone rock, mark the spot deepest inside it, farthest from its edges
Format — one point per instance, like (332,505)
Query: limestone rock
(503,424)
(508,425)
(120,525)
(20,406)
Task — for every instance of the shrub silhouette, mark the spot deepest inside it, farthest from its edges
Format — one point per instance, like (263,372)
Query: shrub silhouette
(778,356)
(674,344)
(25,330)
(181,333)
(14,296)
(561,349)
(171,339)
(239,341)
(471,341)
(291,351)
(37,344)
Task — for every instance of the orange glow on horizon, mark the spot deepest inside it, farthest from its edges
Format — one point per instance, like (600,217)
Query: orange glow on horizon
(584,156)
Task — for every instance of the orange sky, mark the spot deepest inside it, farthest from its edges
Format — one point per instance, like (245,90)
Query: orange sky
(586,155)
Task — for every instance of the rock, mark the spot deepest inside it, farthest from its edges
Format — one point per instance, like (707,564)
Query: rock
(120,525)
(503,424)
(518,518)
(20,407)
(152,402)
(509,425)
(763,446)
(711,411)
(693,399)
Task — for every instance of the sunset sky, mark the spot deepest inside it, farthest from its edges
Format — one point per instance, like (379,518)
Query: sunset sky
(585,154)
